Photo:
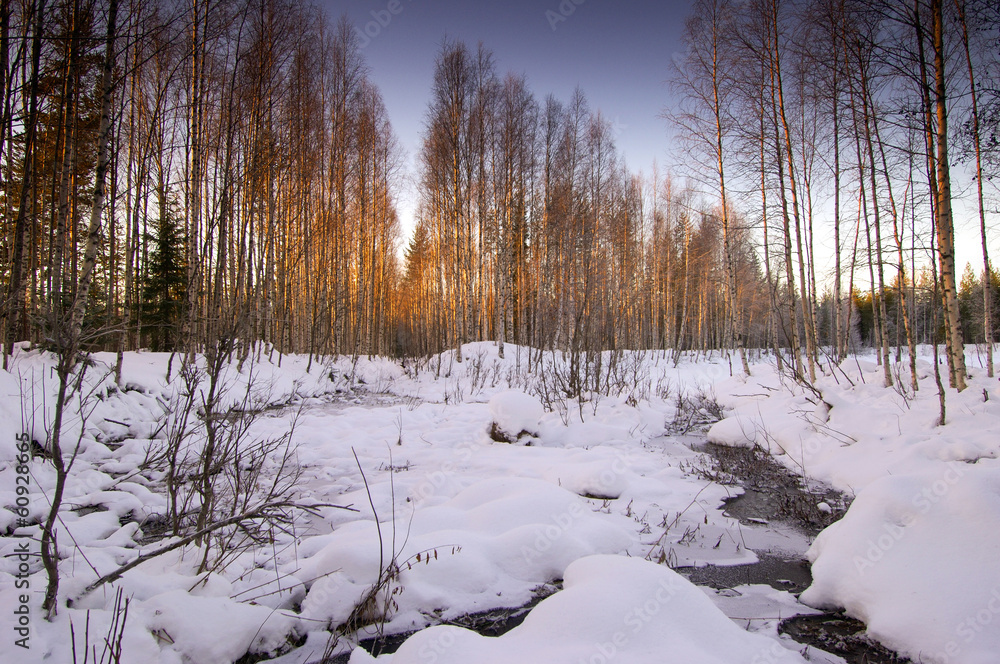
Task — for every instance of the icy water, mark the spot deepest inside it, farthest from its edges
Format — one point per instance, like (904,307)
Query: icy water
(489,623)
(775,499)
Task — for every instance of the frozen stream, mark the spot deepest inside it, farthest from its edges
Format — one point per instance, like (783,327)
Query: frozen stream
(777,507)
(684,508)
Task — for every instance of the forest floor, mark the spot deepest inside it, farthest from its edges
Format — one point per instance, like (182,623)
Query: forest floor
(598,516)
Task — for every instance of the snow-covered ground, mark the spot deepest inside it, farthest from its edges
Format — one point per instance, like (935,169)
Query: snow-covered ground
(915,558)
(594,501)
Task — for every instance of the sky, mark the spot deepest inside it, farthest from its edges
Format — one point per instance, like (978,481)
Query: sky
(617,51)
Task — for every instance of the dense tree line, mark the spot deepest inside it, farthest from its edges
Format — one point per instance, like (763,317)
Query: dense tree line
(209,170)
(805,129)
(245,168)
(533,230)
(838,125)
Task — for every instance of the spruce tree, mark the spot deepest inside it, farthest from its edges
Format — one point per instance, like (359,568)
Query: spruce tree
(165,282)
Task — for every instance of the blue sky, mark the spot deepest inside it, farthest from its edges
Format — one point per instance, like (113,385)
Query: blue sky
(617,51)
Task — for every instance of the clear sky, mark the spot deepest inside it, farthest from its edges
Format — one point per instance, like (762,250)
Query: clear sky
(617,51)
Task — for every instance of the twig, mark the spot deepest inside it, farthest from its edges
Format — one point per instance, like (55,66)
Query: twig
(371,501)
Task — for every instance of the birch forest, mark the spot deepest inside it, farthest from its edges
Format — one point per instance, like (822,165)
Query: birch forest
(180,176)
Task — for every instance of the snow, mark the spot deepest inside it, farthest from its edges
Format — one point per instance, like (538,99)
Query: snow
(446,521)
(10,416)
(515,413)
(611,608)
(915,559)
(484,548)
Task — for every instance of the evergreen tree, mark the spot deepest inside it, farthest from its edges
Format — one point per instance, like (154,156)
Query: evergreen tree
(165,282)
(970,300)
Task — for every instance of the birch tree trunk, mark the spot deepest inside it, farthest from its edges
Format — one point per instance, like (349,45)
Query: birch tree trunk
(945,220)
(977,145)
(70,348)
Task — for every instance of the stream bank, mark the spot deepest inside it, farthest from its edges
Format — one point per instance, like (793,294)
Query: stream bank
(774,506)
(777,516)
(775,498)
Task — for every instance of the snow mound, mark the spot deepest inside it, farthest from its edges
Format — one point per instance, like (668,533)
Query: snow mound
(214,630)
(10,416)
(732,432)
(515,413)
(488,547)
(915,559)
(612,608)
(599,474)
